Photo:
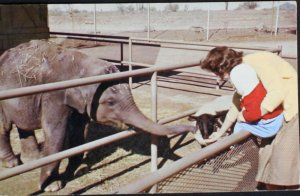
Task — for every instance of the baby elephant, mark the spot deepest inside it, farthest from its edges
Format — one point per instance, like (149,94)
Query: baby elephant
(58,112)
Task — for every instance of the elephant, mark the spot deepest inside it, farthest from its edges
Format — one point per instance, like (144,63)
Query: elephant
(62,111)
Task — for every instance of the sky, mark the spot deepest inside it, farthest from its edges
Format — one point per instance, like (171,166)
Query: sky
(161,6)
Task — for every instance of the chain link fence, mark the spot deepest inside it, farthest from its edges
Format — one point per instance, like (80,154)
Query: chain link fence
(231,171)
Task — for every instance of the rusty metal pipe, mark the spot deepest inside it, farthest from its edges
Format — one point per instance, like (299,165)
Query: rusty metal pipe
(199,156)
(18,92)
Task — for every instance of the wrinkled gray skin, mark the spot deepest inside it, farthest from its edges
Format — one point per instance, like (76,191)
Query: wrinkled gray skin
(62,111)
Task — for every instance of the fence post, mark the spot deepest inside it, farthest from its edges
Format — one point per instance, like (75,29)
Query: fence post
(130,60)
(154,139)
(121,54)
(277,17)
(148,32)
(272,22)
(279,50)
(207,27)
(95,20)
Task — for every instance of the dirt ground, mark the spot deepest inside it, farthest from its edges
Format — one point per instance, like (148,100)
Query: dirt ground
(116,165)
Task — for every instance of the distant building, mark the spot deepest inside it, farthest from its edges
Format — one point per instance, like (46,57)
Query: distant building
(21,23)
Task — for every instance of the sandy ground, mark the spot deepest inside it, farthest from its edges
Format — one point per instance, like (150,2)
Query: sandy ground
(116,165)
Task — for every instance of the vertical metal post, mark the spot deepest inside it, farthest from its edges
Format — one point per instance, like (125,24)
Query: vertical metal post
(130,60)
(95,22)
(207,28)
(121,53)
(154,139)
(272,24)
(218,83)
(148,32)
(277,16)
(280,50)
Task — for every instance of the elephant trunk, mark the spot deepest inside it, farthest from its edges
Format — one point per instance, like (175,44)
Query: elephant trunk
(137,119)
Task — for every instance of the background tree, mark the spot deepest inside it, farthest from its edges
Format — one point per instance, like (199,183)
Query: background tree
(172,7)
(249,5)
(226,5)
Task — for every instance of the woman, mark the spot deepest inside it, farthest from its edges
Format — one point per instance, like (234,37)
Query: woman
(279,165)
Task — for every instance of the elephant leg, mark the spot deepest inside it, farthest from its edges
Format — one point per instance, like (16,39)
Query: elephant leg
(7,156)
(54,125)
(77,128)
(29,145)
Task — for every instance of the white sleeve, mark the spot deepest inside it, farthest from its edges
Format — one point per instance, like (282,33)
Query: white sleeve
(244,78)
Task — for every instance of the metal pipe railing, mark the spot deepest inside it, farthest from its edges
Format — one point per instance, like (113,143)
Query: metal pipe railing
(167,171)
(146,42)
(88,35)
(137,40)
(18,92)
(81,149)
(63,154)
(207,75)
(154,138)
(130,59)
(98,39)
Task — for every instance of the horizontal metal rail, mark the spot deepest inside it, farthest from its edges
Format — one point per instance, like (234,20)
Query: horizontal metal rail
(289,57)
(81,149)
(196,157)
(207,75)
(64,154)
(178,116)
(88,35)
(18,92)
(98,39)
(157,42)
(137,39)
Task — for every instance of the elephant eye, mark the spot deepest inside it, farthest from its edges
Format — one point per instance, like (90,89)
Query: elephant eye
(110,102)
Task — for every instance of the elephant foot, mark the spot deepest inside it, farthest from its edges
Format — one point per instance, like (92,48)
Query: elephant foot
(54,186)
(12,161)
(81,170)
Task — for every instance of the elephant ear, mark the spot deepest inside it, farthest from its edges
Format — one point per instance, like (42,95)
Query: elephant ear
(75,99)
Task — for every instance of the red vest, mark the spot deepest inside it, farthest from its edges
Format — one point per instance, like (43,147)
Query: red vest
(252,103)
